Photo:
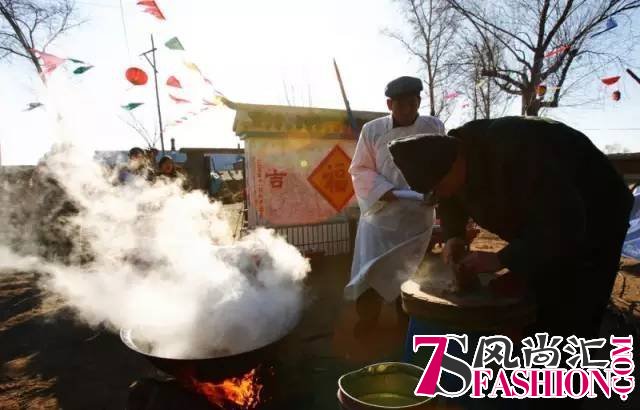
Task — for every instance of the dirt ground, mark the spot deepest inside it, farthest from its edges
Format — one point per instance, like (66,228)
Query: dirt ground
(50,361)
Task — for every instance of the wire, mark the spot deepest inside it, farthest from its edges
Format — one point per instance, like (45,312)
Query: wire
(124,29)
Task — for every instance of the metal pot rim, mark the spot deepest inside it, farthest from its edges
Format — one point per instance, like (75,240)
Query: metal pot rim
(341,390)
(126,336)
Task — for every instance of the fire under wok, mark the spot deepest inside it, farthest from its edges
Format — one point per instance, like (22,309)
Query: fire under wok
(213,367)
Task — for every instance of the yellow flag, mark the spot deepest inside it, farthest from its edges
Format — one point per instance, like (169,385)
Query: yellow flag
(191,66)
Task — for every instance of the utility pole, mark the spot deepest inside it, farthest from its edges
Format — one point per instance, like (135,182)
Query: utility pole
(153,64)
(352,120)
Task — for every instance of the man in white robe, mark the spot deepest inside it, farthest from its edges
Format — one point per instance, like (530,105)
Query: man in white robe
(393,231)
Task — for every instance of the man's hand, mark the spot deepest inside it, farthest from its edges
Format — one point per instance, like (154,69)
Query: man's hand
(389,196)
(480,262)
(454,251)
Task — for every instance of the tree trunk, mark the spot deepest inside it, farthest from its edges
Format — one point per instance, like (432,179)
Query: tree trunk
(23,42)
(530,103)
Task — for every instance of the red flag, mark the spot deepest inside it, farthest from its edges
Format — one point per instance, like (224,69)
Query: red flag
(173,82)
(179,100)
(611,80)
(49,61)
(556,51)
(152,8)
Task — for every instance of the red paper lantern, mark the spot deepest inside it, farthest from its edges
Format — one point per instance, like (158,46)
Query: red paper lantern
(616,95)
(541,90)
(136,76)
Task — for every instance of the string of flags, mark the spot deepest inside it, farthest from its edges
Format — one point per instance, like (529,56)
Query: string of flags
(173,44)
(50,63)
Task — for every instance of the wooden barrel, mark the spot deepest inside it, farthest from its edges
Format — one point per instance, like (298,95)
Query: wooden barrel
(434,309)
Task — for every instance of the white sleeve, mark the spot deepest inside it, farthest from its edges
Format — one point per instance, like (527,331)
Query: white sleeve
(368,184)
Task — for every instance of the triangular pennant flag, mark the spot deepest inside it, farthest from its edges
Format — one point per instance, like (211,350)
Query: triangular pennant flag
(131,106)
(173,82)
(152,8)
(191,66)
(179,100)
(155,12)
(214,102)
(73,60)
(33,106)
(452,95)
(556,51)
(49,61)
(174,44)
(611,24)
(610,80)
(83,69)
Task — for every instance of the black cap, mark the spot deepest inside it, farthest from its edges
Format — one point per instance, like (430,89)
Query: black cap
(403,86)
(424,159)
(135,151)
(164,159)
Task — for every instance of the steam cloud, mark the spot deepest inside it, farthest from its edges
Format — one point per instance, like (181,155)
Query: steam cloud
(157,260)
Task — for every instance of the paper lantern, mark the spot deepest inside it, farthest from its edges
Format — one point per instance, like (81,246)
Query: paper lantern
(616,95)
(541,90)
(136,76)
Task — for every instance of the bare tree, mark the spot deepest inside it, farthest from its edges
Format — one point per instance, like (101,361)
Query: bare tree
(28,25)
(151,139)
(433,26)
(486,99)
(547,40)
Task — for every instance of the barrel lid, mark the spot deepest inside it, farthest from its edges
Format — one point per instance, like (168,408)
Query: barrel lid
(428,295)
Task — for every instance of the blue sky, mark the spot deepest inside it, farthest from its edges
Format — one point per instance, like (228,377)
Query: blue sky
(250,50)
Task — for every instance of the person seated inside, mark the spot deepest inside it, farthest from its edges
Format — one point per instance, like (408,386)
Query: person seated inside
(138,166)
(168,170)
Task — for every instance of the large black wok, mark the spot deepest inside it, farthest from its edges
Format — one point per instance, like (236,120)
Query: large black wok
(211,369)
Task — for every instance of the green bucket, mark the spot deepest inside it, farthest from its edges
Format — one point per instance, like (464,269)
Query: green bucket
(382,386)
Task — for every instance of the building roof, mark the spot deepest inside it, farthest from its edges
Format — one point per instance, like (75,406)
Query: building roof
(627,156)
(279,120)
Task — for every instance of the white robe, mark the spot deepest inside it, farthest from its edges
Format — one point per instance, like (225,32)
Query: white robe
(392,237)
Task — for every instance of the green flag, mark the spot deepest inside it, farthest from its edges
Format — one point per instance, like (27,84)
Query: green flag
(73,60)
(174,44)
(82,69)
(131,106)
